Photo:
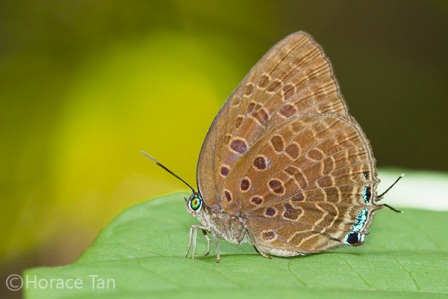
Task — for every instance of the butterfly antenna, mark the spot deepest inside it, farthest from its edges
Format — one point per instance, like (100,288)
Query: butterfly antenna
(387,190)
(169,171)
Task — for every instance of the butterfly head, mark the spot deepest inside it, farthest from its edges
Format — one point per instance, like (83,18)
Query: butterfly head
(194,204)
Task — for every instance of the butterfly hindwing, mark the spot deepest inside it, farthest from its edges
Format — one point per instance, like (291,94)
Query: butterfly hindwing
(309,228)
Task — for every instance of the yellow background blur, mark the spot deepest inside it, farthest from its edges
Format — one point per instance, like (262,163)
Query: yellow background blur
(86,85)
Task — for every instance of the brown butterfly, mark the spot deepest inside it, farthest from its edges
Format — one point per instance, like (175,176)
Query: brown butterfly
(284,165)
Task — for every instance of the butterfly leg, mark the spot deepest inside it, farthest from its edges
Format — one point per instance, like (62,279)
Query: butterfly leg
(192,240)
(208,241)
(195,236)
(189,241)
(218,255)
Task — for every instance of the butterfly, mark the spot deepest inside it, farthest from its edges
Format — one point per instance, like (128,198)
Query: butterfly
(284,166)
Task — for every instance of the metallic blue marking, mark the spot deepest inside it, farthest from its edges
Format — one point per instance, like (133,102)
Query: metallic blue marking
(360,220)
(366,194)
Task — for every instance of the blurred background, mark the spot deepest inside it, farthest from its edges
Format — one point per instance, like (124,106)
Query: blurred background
(86,85)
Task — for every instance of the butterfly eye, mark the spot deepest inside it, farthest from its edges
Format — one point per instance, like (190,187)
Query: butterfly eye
(195,203)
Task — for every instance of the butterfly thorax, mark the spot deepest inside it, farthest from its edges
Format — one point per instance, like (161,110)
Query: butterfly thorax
(228,227)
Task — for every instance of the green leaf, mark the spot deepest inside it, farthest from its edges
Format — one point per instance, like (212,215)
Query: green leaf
(142,252)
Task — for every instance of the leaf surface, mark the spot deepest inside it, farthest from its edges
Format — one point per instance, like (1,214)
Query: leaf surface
(141,254)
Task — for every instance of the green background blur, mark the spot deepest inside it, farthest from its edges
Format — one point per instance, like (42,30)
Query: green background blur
(86,85)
